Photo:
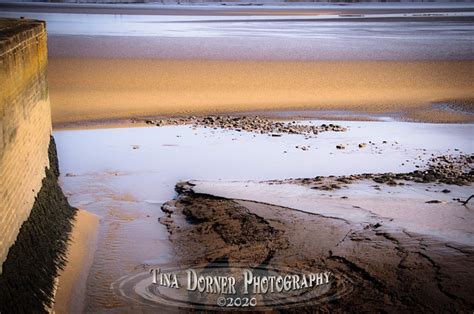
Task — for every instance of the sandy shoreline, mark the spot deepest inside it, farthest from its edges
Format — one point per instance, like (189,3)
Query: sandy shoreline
(85,89)
(71,290)
(424,114)
(402,60)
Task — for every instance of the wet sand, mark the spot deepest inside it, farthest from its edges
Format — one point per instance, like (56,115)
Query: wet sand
(71,281)
(87,88)
(117,62)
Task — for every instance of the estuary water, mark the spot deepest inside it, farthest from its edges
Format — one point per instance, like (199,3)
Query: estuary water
(124,175)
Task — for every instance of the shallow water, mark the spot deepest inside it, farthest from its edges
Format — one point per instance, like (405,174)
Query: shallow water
(393,35)
(124,175)
(402,207)
(182,152)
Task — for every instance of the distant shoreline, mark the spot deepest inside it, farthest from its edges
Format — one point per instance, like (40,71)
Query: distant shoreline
(226,8)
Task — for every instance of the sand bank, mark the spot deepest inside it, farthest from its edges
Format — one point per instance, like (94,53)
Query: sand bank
(88,89)
(71,289)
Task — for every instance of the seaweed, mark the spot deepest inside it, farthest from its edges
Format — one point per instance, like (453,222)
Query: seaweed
(27,283)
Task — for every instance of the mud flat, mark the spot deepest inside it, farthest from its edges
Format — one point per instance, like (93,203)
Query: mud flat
(400,254)
(223,153)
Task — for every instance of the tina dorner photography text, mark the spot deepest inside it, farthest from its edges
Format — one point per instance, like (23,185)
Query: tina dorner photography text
(249,282)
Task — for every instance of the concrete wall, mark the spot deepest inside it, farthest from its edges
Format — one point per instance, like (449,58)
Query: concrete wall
(25,123)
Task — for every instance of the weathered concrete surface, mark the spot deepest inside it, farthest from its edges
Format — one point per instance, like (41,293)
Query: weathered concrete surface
(35,217)
(25,123)
(27,284)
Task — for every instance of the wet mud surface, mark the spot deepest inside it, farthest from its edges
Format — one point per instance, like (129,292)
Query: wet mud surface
(390,270)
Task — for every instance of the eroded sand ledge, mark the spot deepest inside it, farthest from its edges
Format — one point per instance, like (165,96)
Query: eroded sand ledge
(391,269)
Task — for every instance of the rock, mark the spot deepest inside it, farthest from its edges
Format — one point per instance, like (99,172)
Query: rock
(135,147)
(433,202)
(446,191)
(391,182)
(251,124)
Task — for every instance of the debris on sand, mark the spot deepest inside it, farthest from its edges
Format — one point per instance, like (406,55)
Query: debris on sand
(250,124)
(302,147)
(465,202)
(453,170)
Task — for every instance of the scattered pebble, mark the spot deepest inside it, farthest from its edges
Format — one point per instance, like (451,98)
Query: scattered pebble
(303,147)
(453,170)
(250,124)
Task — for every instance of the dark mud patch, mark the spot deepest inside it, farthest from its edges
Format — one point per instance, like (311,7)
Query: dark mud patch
(238,235)
(390,270)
